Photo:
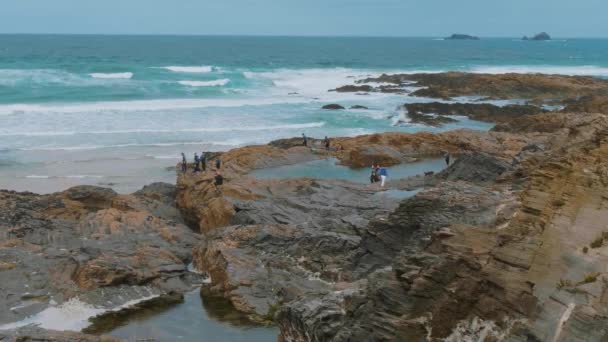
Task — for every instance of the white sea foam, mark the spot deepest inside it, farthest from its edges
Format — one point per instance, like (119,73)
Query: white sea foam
(67,176)
(72,315)
(189,69)
(582,70)
(183,130)
(214,83)
(12,77)
(142,105)
(116,75)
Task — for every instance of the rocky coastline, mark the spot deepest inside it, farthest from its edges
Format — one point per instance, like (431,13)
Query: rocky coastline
(505,243)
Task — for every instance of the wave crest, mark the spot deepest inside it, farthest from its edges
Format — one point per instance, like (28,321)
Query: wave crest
(214,83)
(189,69)
(115,75)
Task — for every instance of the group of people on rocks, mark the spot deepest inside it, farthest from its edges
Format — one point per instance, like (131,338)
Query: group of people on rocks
(326,142)
(379,174)
(200,164)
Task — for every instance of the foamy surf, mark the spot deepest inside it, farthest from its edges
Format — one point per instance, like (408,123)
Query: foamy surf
(214,83)
(189,69)
(176,130)
(142,105)
(116,75)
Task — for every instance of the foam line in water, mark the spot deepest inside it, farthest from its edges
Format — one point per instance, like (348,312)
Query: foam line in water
(116,75)
(214,83)
(142,105)
(189,69)
(177,130)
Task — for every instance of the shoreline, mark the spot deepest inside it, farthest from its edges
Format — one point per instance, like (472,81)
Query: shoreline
(308,253)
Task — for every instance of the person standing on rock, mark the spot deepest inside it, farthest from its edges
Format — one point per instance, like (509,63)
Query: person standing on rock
(305,140)
(327,143)
(383,175)
(218,163)
(203,161)
(196,161)
(447,158)
(184,163)
(219,180)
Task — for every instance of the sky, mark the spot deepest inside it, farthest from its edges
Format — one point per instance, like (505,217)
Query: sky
(428,18)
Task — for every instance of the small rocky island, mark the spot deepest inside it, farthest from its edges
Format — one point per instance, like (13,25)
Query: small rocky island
(540,36)
(459,36)
(508,242)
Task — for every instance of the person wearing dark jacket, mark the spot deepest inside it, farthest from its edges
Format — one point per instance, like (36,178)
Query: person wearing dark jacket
(203,161)
(196,161)
(218,163)
(184,163)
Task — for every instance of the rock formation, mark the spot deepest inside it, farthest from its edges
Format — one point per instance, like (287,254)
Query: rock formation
(536,88)
(538,36)
(458,36)
(506,243)
(333,106)
(91,245)
(440,112)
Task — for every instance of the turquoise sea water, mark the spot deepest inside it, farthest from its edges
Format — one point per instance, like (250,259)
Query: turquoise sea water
(116,110)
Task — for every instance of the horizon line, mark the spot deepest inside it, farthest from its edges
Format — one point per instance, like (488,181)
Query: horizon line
(271,35)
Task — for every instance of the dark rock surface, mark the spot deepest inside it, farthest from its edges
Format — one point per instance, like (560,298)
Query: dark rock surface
(537,88)
(364,88)
(538,36)
(458,36)
(358,107)
(90,244)
(418,112)
(333,106)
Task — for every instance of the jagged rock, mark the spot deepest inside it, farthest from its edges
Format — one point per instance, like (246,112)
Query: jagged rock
(354,89)
(476,167)
(358,107)
(476,111)
(333,106)
(538,88)
(539,36)
(457,36)
(92,244)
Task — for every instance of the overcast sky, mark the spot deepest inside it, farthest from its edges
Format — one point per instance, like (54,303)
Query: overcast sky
(562,18)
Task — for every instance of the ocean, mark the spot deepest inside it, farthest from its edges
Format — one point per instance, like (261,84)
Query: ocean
(118,110)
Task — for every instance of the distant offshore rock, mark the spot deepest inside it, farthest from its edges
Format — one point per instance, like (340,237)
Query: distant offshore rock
(333,106)
(540,36)
(458,36)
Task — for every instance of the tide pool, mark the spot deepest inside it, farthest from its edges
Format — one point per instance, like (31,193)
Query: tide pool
(329,169)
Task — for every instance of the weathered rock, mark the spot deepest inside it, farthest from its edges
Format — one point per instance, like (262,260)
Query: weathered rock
(537,88)
(476,167)
(90,244)
(476,111)
(513,266)
(458,36)
(358,107)
(354,89)
(333,106)
(538,36)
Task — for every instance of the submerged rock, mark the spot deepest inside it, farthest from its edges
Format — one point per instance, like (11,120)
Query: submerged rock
(333,106)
